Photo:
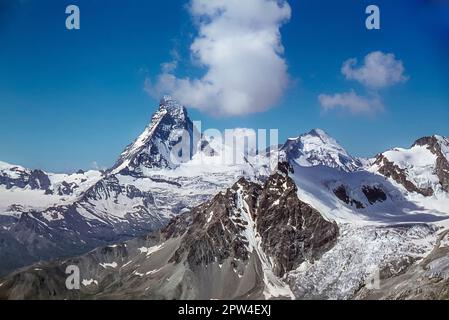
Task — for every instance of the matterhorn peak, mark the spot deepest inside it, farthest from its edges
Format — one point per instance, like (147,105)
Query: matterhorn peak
(153,147)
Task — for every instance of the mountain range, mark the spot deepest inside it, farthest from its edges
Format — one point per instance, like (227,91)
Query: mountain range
(315,225)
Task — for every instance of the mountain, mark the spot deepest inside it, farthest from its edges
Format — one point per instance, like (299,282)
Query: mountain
(387,232)
(175,218)
(238,245)
(251,241)
(318,148)
(422,169)
(45,216)
(388,189)
(153,148)
(24,226)
(22,189)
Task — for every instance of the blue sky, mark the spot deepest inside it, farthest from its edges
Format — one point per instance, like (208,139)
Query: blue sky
(69,98)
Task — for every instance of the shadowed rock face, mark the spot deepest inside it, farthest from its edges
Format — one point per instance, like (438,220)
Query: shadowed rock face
(214,228)
(291,230)
(233,246)
(374,194)
(342,194)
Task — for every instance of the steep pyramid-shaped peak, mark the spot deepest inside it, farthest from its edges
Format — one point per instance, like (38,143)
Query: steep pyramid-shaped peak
(319,148)
(152,149)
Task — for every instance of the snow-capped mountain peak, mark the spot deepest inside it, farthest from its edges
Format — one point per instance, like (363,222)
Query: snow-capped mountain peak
(319,148)
(436,144)
(423,168)
(152,149)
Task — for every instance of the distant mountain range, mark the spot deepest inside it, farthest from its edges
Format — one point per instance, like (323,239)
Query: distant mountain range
(317,226)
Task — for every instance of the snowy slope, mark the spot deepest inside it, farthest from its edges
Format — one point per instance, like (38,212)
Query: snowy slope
(421,169)
(389,204)
(371,191)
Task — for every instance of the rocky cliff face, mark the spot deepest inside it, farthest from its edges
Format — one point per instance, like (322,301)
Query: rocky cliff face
(237,245)
(35,179)
(291,231)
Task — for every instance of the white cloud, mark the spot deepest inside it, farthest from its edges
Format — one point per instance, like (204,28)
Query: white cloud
(379,70)
(239,45)
(351,102)
(169,66)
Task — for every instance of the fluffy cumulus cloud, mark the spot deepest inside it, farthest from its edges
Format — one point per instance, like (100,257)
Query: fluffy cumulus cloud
(239,46)
(350,102)
(379,70)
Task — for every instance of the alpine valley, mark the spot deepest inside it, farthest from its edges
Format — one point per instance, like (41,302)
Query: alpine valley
(318,223)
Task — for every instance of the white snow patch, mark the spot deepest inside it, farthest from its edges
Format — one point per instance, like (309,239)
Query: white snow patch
(150,250)
(211,214)
(89,282)
(109,265)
